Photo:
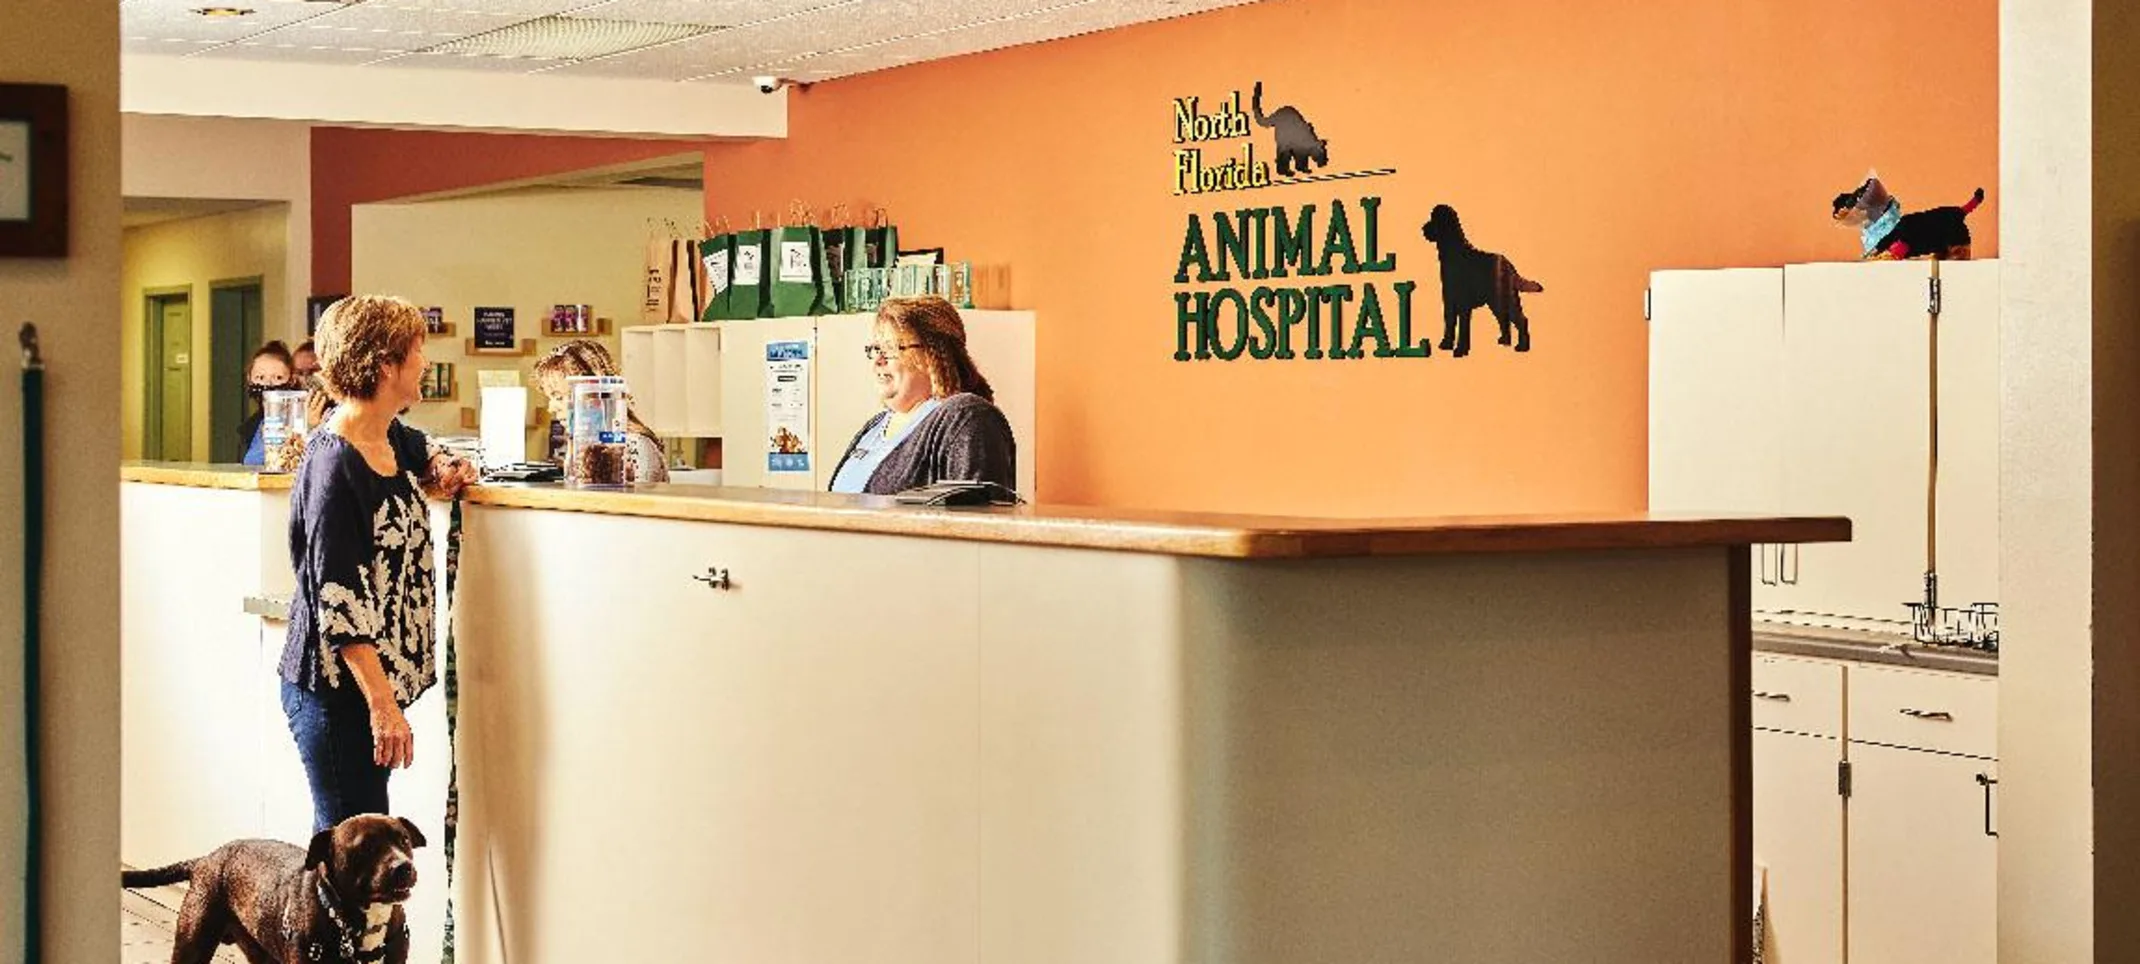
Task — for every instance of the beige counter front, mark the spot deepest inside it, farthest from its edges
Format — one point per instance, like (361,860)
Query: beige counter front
(1054,734)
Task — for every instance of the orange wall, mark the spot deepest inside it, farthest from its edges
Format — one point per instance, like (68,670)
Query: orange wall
(1590,142)
(352,165)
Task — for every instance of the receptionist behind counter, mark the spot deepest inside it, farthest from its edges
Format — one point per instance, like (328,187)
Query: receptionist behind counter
(940,422)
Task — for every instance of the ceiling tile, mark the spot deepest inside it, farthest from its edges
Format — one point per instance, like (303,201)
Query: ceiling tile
(522,9)
(298,54)
(385,16)
(164,48)
(175,19)
(804,39)
(720,13)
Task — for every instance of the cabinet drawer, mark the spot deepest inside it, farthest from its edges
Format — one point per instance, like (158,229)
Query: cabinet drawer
(1798,695)
(1922,710)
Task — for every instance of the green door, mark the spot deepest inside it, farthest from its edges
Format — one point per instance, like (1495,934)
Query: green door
(167,433)
(235,325)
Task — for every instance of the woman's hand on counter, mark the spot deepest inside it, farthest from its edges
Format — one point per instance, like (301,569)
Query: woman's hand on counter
(450,474)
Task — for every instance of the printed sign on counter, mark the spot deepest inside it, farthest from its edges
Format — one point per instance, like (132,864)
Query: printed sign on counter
(787,406)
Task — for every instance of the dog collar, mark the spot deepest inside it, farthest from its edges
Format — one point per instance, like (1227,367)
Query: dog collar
(345,933)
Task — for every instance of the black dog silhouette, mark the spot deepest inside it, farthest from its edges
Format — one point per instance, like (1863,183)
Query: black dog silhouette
(1471,278)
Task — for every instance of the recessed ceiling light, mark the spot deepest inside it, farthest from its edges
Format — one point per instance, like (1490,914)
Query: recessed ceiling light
(224,11)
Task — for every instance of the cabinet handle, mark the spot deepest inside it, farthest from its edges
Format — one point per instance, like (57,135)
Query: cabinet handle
(1941,716)
(1987,783)
(1768,576)
(1792,550)
(714,578)
(1776,697)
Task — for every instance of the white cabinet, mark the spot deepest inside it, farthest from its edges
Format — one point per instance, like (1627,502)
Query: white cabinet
(1969,433)
(844,395)
(1923,879)
(1879,846)
(1808,390)
(1798,837)
(1715,445)
(1856,436)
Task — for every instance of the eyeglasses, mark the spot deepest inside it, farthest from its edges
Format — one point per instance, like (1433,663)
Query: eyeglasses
(880,352)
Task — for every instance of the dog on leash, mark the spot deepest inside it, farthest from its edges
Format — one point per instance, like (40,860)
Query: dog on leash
(1472,278)
(337,901)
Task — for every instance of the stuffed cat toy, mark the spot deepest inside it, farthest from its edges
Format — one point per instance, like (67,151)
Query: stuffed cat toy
(1887,234)
(1297,143)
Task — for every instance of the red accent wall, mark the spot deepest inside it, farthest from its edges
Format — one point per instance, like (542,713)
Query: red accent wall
(352,166)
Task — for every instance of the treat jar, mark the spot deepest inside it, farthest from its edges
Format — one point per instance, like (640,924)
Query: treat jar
(598,453)
(283,429)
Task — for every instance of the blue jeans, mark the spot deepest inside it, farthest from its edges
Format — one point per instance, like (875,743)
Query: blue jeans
(333,729)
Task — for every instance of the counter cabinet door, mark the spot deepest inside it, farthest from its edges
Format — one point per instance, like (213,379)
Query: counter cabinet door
(1923,879)
(1798,836)
(781,764)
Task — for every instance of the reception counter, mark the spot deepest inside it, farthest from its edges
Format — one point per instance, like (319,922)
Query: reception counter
(752,726)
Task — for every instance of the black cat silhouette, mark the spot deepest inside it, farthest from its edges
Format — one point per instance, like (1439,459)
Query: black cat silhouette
(1470,278)
(1297,143)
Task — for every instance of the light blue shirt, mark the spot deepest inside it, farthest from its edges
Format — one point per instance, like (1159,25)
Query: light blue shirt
(256,450)
(870,450)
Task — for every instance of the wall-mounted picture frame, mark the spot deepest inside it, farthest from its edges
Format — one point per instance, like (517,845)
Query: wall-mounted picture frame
(33,171)
(316,306)
(435,322)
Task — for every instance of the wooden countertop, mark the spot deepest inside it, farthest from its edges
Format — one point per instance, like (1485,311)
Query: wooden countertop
(1127,530)
(1170,533)
(204,475)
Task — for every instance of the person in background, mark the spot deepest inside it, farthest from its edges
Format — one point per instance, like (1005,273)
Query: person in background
(940,422)
(269,369)
(582,356)
(304,362)
(360,648)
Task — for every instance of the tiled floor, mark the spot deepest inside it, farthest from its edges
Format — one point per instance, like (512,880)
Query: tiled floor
(145,921)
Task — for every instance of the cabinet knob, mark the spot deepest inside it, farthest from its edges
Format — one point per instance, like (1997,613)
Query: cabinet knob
(1941,716)
(1775,697)
(714,578)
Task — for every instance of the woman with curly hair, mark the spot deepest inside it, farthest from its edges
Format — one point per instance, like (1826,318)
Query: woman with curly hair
(361,630)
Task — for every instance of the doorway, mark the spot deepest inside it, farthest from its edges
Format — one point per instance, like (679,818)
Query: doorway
(167,363)
(235,328)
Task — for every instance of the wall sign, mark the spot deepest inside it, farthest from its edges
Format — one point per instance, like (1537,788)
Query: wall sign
(494,328)
(33,171)
(1308,313)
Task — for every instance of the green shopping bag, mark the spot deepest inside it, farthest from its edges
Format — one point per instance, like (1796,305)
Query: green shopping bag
(832,269)
(718,254)
(749,295)
(880,243)
(794,284)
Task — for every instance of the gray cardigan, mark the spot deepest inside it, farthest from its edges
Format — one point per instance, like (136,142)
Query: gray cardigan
(965,439)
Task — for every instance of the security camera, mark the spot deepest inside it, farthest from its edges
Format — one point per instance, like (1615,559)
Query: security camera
(767,85)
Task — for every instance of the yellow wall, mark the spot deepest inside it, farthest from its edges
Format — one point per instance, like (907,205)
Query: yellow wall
(527,249)
(73,301)
(195,253)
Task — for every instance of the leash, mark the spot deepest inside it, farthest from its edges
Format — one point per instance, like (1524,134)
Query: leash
(33,564)
(453,712)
